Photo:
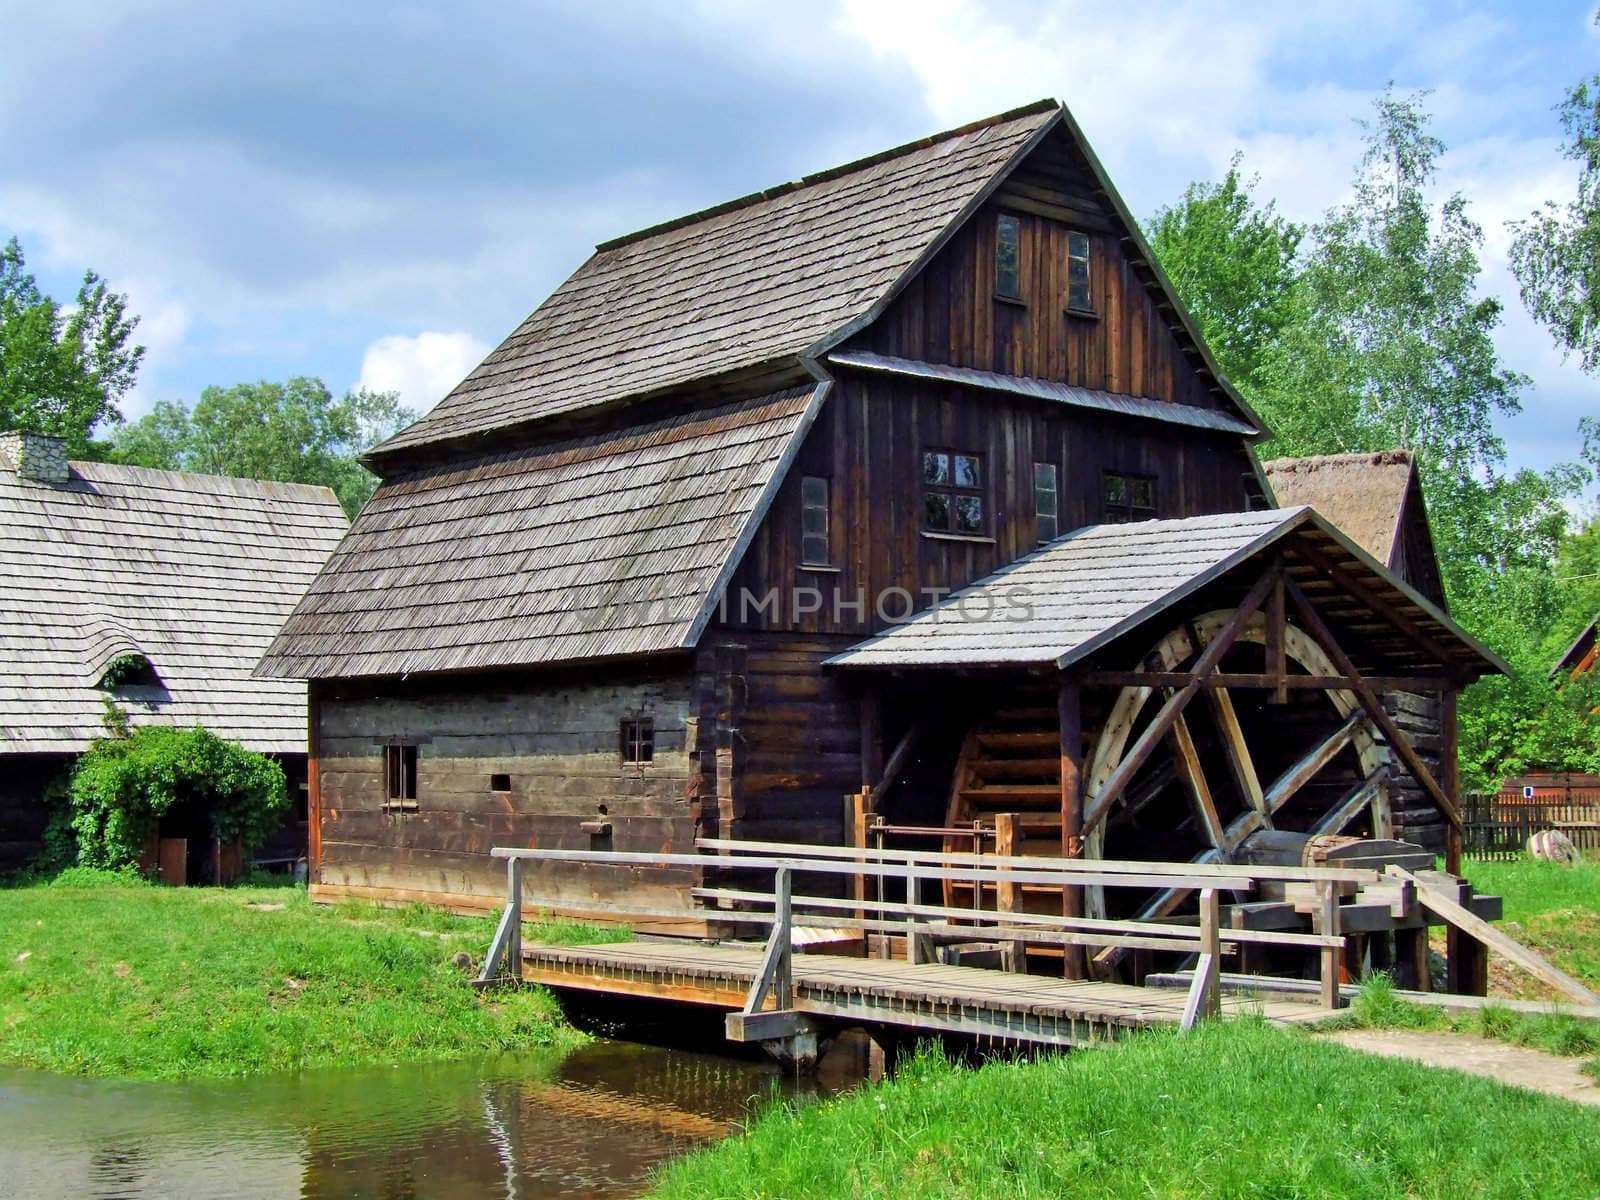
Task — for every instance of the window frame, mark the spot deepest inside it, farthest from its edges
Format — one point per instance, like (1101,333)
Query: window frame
(636,739)
(1040,516)
(400,776)
(808,537)
(1075,239)
(1126,511)
(953,492)
(1013,222)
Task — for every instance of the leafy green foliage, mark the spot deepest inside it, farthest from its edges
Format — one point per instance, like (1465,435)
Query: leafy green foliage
(122,786)
(63,370)
(1235,263)
(1370,332)
(292,432)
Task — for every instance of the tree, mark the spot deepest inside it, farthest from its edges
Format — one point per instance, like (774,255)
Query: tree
(1556,252)
(1234,262)
(62,371)
(292,432)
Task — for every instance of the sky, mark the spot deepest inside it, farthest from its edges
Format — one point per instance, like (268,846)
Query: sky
(378,193)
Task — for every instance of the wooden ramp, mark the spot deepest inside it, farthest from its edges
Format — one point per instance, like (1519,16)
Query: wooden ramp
(932,997)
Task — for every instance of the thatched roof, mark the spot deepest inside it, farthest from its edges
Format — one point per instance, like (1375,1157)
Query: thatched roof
(194,573)
(598,546)
(1086,590)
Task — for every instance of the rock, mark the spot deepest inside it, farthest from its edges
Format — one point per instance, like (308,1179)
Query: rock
(1553,846)
(462,961)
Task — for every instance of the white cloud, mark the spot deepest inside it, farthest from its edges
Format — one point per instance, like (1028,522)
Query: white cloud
(421,368)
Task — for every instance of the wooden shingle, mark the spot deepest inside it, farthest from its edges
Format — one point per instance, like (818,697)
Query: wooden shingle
(600,546)
(194,572)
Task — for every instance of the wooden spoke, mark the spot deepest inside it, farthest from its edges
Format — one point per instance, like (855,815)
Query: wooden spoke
(1240,761)
(1205,808)
(1302,773)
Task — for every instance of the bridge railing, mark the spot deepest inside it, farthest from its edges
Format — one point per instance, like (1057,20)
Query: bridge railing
(783,909)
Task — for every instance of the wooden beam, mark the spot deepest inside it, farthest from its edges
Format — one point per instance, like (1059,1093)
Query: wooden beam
(1240,761)
(871,737)
(1205,993)
(1277,648)
(1238,679)
(1296,777)
(1354,801)
(1328,926)
(1205,808)
(1468,922)
(1069,721)
(313,784)
(1369,700)
(1334,572)
(897,760)
(1135,757)
(1450,774)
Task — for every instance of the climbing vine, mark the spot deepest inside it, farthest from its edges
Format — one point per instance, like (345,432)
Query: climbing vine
(122,787)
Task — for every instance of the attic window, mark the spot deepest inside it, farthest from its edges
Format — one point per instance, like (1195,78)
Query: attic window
(638,739)
(400,777)
(1130,498)
(500,782)
(1079,298)
(129,670)
(814,521)
(1008,258)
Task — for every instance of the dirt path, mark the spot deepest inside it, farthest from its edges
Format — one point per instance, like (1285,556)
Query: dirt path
(1514,1065)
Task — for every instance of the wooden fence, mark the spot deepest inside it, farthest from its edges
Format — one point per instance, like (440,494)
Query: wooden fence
(1499,824)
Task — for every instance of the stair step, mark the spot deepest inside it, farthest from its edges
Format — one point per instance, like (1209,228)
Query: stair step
(1041,714)
(1026,794)
(1019,739)
(1042,770)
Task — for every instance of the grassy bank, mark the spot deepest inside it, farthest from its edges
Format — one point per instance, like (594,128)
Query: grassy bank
(1550,909)
(1238,1109)
(137,981)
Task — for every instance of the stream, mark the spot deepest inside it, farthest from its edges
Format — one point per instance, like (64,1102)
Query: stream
(592,1122)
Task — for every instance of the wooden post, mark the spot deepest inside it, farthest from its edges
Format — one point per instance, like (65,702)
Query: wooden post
(871,737)
(1069,715)
(1411,966)
(313,785)
(1328,926)
(1466,958)
(1006,892)
(1205,992)
(783,973)
(1277,654)
(860,805)
(514,911)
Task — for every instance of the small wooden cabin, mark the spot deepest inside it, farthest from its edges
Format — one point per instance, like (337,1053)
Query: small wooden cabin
(683,557)
(154,591)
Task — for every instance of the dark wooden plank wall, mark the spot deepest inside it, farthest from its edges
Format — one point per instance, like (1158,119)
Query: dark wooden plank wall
(950,313)
(557,738)
(869,440)
(787,735)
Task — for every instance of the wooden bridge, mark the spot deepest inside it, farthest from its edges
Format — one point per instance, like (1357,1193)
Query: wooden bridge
(927,977)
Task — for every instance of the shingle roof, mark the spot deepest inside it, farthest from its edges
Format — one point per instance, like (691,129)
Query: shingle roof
(1119,403)
(610,544)
(195,572)
(760,279)
(1363,494)
(1077,594)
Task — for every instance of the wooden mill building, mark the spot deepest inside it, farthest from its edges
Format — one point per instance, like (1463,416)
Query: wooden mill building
(155,591)
(910,481)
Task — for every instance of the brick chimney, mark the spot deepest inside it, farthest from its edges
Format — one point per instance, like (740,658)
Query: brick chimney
(36,456)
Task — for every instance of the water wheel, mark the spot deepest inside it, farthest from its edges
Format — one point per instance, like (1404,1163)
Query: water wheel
(1310,765)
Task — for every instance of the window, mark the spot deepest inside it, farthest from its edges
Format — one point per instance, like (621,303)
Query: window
(400,775)
(1008,258)
(1078,295)
(500,783)
(1045,504)
(638,739)
(814,521)
(952,492)
(1130,497)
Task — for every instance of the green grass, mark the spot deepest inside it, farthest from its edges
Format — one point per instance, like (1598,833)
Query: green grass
(1552,910)
(102,976)
(1237,1109)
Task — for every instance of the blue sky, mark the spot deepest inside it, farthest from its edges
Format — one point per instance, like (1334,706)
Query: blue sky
(378,193)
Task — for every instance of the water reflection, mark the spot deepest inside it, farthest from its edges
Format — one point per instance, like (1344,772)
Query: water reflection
(591,1124)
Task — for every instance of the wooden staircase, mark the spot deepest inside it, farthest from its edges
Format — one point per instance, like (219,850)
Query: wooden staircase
(1010,763)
